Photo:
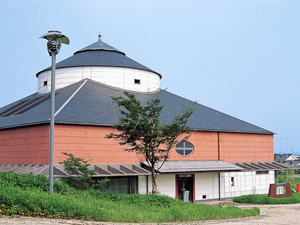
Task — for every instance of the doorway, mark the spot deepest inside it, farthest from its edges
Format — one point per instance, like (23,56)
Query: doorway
(185,187)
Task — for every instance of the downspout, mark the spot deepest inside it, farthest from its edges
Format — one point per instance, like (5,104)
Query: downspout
(219,153)
(219,158)
(129,185)
(147,184)
(219,180)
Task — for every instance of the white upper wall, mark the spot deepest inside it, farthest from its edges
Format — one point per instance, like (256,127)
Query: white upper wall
(120,77)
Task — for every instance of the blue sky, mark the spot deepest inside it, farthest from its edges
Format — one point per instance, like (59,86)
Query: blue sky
(239,57)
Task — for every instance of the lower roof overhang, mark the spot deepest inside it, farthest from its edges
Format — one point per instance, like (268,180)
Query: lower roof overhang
(191,166)
(102,170)
(265,166)
(140,169)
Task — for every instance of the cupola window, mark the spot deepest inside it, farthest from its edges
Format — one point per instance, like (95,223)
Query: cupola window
(184,148)
(45,83)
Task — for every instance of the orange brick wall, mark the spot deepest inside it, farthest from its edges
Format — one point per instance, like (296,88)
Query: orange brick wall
(27,145)
(246,147)
(205,147)
(89,143)
(30,145)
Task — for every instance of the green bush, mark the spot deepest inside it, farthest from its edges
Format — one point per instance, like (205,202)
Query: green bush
(284,176)
(81,178)
(26,181)
(83,206)
(261,199)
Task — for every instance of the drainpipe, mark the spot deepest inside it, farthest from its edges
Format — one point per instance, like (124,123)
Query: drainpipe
(219,158)
(219,153)
(147,184)
(219,180)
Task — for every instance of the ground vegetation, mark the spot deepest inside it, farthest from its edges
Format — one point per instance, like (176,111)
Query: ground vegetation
(27,195)
(262,199)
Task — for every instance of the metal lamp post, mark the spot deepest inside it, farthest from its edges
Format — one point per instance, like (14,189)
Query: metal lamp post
(55,39)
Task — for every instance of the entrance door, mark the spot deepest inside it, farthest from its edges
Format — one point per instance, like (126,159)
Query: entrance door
(185,188)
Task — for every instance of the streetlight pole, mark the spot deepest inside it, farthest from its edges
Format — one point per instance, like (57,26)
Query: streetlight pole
(54,38)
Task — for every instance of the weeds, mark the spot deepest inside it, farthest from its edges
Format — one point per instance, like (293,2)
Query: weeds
(20,195)
(260,199)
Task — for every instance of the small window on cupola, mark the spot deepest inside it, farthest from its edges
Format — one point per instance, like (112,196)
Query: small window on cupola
(137,81)
(45,83)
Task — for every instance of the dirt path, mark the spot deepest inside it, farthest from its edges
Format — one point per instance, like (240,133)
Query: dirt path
(269,214)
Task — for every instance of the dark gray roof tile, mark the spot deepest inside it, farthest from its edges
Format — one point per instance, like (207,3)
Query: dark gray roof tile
(100,58)
(92,105)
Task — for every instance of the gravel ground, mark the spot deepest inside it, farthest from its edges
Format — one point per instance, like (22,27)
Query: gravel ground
(269,214)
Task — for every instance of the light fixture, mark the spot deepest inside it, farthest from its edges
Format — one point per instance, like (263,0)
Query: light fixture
(55,39)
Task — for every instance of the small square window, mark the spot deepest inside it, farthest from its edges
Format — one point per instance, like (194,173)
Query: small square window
(45,83)
(137,81)
(203,196)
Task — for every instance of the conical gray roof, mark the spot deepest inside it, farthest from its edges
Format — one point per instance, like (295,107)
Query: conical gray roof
(100,54)
(100,45)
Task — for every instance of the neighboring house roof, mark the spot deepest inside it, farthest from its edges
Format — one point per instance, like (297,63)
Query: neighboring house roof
(293,158)
(89,103)
(281,157)
(100,54)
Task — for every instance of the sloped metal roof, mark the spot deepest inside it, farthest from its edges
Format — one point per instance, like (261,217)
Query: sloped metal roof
(188,166)
(103,170)
(99,45)
(92,105)
(136,169)
(264,166)
(100,54)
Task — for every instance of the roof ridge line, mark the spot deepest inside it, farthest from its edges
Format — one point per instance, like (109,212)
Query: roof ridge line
(70,98)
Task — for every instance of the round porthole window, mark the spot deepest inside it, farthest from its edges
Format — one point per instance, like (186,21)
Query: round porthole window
(184,148)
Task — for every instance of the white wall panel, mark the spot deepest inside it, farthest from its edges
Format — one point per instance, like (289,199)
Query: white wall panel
(206,184)
(114,76)
(165,185)
(247,183)
(142,184)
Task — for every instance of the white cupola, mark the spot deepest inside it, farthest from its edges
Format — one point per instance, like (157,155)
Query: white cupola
(102,63)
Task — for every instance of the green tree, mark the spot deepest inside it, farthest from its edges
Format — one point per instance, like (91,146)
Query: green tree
(284,176)
(80,175)
(140,130)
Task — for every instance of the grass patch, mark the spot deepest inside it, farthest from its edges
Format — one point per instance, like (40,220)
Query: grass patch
(22,198)
(261,199)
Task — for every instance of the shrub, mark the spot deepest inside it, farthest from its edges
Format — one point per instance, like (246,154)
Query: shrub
(261,199)
(81,175)
(284,176)
(29,199)
(39,181)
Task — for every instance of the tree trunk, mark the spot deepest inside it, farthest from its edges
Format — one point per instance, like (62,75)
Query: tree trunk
(154,185)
